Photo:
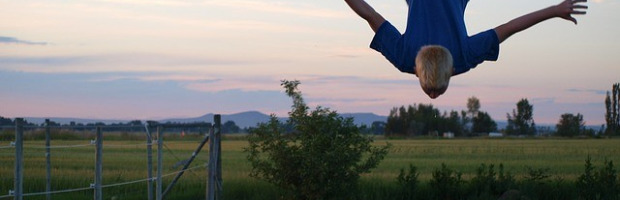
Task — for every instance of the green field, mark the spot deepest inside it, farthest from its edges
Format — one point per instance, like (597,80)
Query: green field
(126,161)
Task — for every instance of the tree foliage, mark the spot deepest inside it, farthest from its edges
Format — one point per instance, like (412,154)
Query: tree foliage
(521,121)
(322,158)
(483,123)
(570,125)
(473,106)
(421,119)
(230,127)
(6,121)
(601,184)
(612,114)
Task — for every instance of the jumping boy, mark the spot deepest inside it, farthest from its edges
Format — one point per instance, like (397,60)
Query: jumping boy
(436,46)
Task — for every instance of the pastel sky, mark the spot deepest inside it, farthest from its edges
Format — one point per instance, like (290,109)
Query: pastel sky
(152,59)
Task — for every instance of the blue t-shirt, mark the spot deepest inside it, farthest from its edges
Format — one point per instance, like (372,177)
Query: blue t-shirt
(436,22)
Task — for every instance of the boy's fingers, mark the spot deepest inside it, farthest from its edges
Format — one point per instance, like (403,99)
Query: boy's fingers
(578,12)
(580,7)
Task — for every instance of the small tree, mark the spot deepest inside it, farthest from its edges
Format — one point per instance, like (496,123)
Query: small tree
(483,123)
(570,125)
(6,121)
(446,183)
(377,128)
(612,114)
(601,184)
(322,158)
(521,121)
(473,106)
(230,127)
(408,182)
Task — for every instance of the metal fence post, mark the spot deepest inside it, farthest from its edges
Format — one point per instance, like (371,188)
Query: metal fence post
(48,162)
(19,162)
(159,162)
(149,162)
(98,165)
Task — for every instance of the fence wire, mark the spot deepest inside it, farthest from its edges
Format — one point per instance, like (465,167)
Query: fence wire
(58,146)
(107,186)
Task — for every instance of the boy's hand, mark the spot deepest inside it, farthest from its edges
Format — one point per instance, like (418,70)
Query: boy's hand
(567,8)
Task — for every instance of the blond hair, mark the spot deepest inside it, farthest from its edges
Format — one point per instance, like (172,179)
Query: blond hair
(434,67)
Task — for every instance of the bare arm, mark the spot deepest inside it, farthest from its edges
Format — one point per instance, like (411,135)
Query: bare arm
(564,10)
(364,10)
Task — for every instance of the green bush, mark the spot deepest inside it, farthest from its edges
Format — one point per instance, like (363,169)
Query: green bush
(608,181)
(322,158)
(408,182)
(602,184)
(446,184)
(488,184)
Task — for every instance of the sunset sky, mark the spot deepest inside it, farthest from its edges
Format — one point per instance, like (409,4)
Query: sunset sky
(143,59)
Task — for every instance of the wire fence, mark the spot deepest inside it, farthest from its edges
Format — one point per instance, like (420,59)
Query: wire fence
(214,170)
(91,187)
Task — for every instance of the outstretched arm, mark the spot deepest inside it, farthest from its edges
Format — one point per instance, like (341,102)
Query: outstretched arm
(364,10)
(564,10)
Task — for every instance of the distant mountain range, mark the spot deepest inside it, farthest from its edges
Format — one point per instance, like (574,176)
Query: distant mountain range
(243,119)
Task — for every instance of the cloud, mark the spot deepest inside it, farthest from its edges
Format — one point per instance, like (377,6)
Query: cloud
(346,100)
(121,62)
(283,7)
(77,95)
(12,40)
(591,91)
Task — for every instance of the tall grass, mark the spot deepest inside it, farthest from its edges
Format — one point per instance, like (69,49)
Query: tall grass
(125,160)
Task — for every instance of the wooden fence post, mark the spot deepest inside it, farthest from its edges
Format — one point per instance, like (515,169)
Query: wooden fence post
(19,159)
(218,155)
(214,174)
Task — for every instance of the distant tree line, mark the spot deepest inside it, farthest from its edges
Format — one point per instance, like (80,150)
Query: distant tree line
(132,126)
(422,119)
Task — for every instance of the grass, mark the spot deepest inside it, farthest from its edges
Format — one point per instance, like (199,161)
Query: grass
(126,161)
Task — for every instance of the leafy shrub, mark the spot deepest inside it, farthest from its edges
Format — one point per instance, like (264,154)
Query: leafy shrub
(487,184)
(602,184)
(408,182)
(608,181)
(446,184)
(321,159)
(538,176)
(535,183)
(586,183)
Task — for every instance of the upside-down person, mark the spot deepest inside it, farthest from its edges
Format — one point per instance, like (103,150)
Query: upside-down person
(436,46)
